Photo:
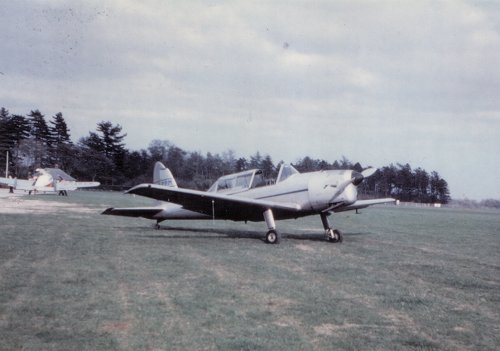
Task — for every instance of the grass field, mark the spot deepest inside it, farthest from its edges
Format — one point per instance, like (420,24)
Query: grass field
(404,279)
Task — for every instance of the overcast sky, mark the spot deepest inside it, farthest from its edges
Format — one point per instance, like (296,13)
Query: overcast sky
(379,82)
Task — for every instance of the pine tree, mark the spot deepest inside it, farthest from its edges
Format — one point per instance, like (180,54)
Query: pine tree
(61,141)
(439,191)
(255,160)
(5,141)
(159,149)
(41,136)
(241,164)
(268,168)
(59,130)
(111,139)
(13,130)
(110,145)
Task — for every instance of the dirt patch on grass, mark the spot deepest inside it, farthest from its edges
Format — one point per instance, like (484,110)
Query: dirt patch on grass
(20,205)
(115,327)
(304,247)
(329,329)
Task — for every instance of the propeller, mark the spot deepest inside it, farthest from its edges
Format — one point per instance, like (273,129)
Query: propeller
(357,178)
(368,172)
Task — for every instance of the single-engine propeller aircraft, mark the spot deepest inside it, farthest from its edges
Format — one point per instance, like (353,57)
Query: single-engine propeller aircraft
(246,196)
(48,180)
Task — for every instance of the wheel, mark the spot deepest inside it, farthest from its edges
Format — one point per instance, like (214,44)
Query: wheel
(272,237)
(157,226)
(338,236)
(334,235)
(329,235)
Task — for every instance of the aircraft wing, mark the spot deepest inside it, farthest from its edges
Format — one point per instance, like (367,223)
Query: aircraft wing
(87,184)
(363,204)
(63,185)
(219,206)
(144,212)
(7,181)
(19,184)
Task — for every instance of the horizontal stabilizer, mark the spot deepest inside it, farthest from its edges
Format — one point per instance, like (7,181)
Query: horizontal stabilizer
(144,212)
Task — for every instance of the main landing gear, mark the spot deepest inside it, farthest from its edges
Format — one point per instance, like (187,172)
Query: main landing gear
(272,236)
(332,235)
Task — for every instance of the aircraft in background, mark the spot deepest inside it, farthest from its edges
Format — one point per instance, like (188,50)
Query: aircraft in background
(47,180)
(246,196)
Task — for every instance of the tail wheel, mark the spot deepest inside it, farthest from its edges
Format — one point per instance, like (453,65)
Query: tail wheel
(272,237)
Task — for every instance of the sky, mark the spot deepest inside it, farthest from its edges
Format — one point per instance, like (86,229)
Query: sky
(378,82)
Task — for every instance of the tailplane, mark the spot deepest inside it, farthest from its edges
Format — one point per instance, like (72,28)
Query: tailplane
(163,176)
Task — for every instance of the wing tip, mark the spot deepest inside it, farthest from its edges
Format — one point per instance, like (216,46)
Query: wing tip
(108,211)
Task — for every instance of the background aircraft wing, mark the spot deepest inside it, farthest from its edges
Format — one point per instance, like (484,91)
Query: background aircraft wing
(87,184)
(220,206)
(362,204)
(20,184)
(144,212)
(7,181)
(63,185)
(70,186)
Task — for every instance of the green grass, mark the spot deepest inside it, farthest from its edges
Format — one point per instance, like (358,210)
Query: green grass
(404,279)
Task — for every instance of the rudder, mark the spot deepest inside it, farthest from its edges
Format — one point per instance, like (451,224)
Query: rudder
(163,176)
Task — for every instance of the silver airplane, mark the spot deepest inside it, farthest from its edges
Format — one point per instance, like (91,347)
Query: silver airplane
(47,180)
(246,196)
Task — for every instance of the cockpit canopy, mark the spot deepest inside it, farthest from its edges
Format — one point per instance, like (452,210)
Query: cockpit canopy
(254,178)
(55,173)
(286,171)
(237,182)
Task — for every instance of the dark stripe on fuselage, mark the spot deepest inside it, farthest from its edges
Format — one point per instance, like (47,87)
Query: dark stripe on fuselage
(281,194)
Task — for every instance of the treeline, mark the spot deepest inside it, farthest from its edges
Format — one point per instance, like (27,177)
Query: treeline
(468,203)
(398,181)
(33,142)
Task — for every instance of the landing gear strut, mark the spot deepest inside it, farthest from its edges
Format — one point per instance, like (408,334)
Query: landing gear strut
(157,225)
(332,235)
(272,236)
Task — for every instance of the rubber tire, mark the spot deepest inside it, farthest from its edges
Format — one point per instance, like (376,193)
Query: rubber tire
(339,236)
(272,237)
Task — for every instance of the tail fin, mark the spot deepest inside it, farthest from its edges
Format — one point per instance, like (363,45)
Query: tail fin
(163,176)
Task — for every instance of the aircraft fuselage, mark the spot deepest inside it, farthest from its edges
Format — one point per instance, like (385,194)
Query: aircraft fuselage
(312,192)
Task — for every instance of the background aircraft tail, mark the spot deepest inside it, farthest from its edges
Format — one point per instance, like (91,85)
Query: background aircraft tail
(163,176)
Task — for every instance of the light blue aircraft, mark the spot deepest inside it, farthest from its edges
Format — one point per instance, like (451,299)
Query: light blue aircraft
(246,196)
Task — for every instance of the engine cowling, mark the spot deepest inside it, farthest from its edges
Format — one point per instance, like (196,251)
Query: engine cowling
(330,187)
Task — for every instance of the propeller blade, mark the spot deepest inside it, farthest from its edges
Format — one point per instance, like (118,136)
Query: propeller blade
(340,189)
(356,180)
(368,172)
